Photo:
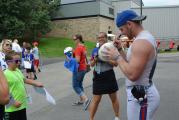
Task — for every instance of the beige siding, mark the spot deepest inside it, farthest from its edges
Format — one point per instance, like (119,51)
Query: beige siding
(104,9)
(162,21)
(76,10)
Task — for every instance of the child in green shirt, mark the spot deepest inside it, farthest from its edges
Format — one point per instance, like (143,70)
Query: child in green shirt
(16,82)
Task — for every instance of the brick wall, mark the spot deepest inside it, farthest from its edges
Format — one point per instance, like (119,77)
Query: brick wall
(88,27)
(105,23)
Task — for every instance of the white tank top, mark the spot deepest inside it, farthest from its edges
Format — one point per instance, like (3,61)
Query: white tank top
(144,78)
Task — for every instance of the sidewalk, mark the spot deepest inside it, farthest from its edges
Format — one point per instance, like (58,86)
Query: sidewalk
(57,80)
(46,61)
(169,54)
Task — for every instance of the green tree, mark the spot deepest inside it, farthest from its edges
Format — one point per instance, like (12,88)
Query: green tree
(26,18)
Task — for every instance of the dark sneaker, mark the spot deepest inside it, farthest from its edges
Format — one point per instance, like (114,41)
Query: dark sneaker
(35,77)
(86,104)
(77,103)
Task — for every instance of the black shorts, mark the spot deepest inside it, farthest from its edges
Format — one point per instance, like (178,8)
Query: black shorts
(17,115)
(104,83)
(30,70)
(1,112)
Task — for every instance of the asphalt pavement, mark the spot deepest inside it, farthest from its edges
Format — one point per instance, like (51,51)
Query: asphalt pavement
(57,81)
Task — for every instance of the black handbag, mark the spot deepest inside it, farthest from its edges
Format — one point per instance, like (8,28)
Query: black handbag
(139,92)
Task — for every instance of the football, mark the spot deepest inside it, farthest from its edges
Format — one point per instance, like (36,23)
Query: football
(102,49)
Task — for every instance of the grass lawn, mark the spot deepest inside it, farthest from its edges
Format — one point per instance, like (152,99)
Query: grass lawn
(172,51)
(53,47)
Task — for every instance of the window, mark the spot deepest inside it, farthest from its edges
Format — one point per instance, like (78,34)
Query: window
(111,11)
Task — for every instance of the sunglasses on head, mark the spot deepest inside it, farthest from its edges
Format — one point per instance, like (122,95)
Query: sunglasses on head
(8,45)
(15,61)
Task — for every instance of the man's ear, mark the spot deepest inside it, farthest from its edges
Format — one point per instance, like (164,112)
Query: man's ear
(129,23)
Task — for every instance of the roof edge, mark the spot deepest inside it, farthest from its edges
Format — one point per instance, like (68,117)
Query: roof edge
(77,17)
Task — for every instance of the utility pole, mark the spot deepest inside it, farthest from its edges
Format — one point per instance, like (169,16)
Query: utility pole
(141,7)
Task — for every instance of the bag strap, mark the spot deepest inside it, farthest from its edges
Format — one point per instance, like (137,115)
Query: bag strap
(153,69)
(86,59)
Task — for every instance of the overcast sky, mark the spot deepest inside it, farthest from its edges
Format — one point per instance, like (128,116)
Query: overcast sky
(146,2)
(160,2)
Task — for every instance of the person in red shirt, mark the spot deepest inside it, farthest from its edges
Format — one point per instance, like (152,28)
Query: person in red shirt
(79,54)
(171,44)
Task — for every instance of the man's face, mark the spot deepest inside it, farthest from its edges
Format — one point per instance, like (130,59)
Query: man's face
(15,62)
(101,39)
(75,39)
(127,30)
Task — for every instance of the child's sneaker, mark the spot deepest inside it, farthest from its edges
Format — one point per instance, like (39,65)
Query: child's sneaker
(35,77)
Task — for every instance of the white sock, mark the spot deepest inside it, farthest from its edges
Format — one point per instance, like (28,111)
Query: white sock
(117,118)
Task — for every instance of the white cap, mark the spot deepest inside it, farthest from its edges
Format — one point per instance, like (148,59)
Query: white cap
(68,49)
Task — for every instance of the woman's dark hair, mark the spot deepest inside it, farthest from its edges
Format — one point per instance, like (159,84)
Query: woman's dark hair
(79,37)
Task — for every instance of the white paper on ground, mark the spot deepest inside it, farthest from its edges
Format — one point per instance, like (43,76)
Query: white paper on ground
(29,99)
(49,98)
(43,91)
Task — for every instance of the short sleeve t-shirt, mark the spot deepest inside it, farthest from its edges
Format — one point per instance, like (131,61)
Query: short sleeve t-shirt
(30,57)
(80,50)
(17,88)
(35,52)
(23,52)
